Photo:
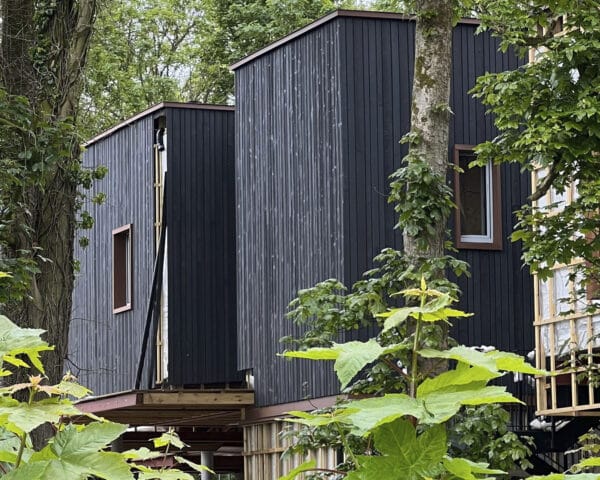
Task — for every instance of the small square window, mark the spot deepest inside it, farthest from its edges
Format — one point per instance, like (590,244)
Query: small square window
(477,197)
(122,272)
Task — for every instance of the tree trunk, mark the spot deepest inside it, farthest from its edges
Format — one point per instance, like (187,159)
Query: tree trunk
(430,107)
(42,58)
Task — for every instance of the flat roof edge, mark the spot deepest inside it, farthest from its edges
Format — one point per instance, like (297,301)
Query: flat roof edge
(325,19)
(152,109)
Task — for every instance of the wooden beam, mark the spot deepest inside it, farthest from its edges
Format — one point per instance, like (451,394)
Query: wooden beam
(199,399)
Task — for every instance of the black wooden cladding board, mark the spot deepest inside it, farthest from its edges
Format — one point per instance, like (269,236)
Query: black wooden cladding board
(318,123)
(104,348)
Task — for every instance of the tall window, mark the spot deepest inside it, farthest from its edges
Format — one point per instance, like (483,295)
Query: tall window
(122,272)
(477,197)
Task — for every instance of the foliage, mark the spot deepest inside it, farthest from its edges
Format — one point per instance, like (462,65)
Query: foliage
(75,451)
(31,145)
(481,434)
(145,52)
(407,432)
(142,53)
(548,115)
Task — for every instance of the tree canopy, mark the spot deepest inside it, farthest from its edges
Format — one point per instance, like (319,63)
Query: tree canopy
(548,115)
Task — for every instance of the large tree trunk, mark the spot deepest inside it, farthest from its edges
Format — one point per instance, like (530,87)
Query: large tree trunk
(430,107)
(42,58)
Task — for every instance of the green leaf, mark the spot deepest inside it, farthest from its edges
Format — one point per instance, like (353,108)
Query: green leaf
(462,354)
(462,375)
(365,415)
(445,403)
(89,438)
(317,353)
(511,362)
(147,473)
(305,467)
(396,316)
(73,454)
(406,456)
(168,438)
(195,466)
(15,340)
(21,417)
(494,361)
(562,476)
(142,453)
(106,465)
(465,469)
(72,389)
(319,419)
(350,357)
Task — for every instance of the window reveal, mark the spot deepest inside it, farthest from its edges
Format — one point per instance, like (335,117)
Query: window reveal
(477,196)
(122,268)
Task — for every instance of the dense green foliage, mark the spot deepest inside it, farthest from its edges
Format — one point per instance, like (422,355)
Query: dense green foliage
(548,114)
(148,51)
(407,431)
(75,452)
(31,145)
(481,434)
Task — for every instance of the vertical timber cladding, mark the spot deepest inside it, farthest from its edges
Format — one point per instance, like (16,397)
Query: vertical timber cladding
(500,290)
(318,121)
(104,348)
(264,445)
(289,195)
(201,245)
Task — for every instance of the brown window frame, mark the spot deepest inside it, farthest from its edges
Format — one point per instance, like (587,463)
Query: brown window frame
(496,242)
(122,268)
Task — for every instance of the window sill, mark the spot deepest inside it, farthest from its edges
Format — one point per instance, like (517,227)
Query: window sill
(122,309)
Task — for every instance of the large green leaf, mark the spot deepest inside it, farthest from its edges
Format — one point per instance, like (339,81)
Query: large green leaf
(397,316)
(495,361)
(433,311)
(21,417)
(73,454)
(89,438)
(147,473)
(405,456)
(588,463)
(365,415)
(106,465)
(511,362)
(319,419)
(350,357)
(193,465)
(462,375)
(21,341)
(466,469)
(445,403)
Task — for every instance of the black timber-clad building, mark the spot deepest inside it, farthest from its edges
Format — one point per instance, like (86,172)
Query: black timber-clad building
(192,332)
(319,116)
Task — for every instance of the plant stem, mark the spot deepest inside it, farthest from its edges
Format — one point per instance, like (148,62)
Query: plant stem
(415,352)
(347,445)
(23,436)
(23,440)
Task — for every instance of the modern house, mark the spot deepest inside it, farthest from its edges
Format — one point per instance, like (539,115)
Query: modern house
(182,294)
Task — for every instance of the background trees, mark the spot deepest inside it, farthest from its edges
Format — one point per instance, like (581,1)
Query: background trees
(147,51)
